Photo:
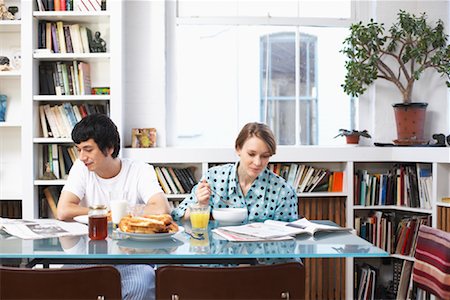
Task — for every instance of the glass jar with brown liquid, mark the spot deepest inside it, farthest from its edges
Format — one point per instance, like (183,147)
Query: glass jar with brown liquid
(98,222)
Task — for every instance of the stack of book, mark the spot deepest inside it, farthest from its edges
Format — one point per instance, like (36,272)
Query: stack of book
(175,180)
(58,120)
(58,37)
(306,179)
(64,78)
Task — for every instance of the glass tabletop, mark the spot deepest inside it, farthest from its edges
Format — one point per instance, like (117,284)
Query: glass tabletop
(185,246)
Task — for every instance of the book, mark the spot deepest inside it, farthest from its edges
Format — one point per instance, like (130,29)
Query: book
(51,201)
(275,229)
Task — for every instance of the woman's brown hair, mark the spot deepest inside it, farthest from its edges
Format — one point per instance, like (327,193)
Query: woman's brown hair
(259,130)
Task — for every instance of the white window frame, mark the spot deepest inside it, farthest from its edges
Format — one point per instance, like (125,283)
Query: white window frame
(360,10)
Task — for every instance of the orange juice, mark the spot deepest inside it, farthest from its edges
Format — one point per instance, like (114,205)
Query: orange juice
(199,216)
(199,219)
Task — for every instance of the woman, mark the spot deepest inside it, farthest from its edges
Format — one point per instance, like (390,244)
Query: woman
(247,183)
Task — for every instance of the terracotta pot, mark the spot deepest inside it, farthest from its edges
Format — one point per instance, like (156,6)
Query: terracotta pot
(410,121)
(352,139)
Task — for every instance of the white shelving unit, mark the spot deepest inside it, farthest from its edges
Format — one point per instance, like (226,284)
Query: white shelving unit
(342,158)
(105,71)
(11,85)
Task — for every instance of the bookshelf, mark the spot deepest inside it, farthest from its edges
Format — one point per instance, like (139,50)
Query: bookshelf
(11,85)
(319,205)
(42,71)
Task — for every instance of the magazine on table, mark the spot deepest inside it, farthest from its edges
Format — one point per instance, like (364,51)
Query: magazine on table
(41,228)
(271,229)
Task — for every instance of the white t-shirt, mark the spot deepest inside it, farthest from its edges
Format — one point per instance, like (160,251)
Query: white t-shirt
(136,178)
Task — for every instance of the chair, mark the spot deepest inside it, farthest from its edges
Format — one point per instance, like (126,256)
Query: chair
(97,282)
(278,281)
(431,270)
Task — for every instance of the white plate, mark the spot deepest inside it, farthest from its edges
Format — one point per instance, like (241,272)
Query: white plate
(85,219)
(150,236)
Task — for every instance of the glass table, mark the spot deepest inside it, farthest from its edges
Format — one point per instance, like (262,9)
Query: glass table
(183,248)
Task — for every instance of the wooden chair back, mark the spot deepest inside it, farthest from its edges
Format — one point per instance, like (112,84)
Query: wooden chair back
(95,283)
(278,281)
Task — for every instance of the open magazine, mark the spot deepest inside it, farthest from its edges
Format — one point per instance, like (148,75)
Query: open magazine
(41,228)
(276,229)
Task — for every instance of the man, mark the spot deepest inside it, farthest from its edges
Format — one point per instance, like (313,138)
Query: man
(95,174)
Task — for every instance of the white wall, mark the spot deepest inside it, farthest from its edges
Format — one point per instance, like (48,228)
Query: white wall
(376,104)
(145,84)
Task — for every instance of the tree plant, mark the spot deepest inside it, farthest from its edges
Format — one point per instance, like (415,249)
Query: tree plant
(400,56)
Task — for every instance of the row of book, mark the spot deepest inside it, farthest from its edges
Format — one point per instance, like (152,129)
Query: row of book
(366,277)
(394,233)
(59,37)
(369,285)
(175,180)
(11,209)
(48,201)
(306,179)
(71,5)
(57,160)
(443,218)
(58,120)
(64,78)
(403,185)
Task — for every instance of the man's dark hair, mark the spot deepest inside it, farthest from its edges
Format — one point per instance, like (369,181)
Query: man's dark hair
(101,129)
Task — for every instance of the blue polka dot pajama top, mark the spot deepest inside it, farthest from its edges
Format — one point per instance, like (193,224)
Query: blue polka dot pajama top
(269,198)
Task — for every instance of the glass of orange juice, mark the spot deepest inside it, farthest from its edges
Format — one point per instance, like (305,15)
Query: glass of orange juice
(199,216)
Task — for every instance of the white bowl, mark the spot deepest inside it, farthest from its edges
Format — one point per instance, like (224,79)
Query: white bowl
(230,216)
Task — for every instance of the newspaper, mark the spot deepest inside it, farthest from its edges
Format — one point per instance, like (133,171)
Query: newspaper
(41,228)
(271,230)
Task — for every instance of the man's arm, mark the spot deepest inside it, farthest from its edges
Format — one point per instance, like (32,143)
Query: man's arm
(157,204)
(69,206)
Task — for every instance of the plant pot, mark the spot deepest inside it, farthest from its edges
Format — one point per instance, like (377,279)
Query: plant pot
(410,121)
(352,139)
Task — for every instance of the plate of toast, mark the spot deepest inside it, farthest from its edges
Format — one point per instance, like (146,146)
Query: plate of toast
(149,227)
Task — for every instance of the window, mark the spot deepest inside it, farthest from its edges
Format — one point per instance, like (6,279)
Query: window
(234,62)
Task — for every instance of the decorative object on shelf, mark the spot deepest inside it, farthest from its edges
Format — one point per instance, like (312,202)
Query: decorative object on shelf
(100,91)
(352,136)
(98,44)
(4,63)
(143,137)
(400,57)
(16,60)
(4,13)
(440,139)
(3,108)
(13,10)
(48,174)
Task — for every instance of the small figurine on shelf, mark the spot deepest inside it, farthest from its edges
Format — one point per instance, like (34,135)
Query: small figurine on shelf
(98,44)
(48,174)
(4,13)
(4,63)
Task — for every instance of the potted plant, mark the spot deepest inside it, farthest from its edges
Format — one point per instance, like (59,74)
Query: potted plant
(352,136)
(400,56)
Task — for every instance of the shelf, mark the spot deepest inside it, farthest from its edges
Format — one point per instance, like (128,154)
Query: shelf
(50,182)
(404,257)
(10,124)
(393,207)
(72,98)
(322,194)
(89,57)
(176,196)
(74,16)
(42,140)
(444,204)
(10,74)
(10,25)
